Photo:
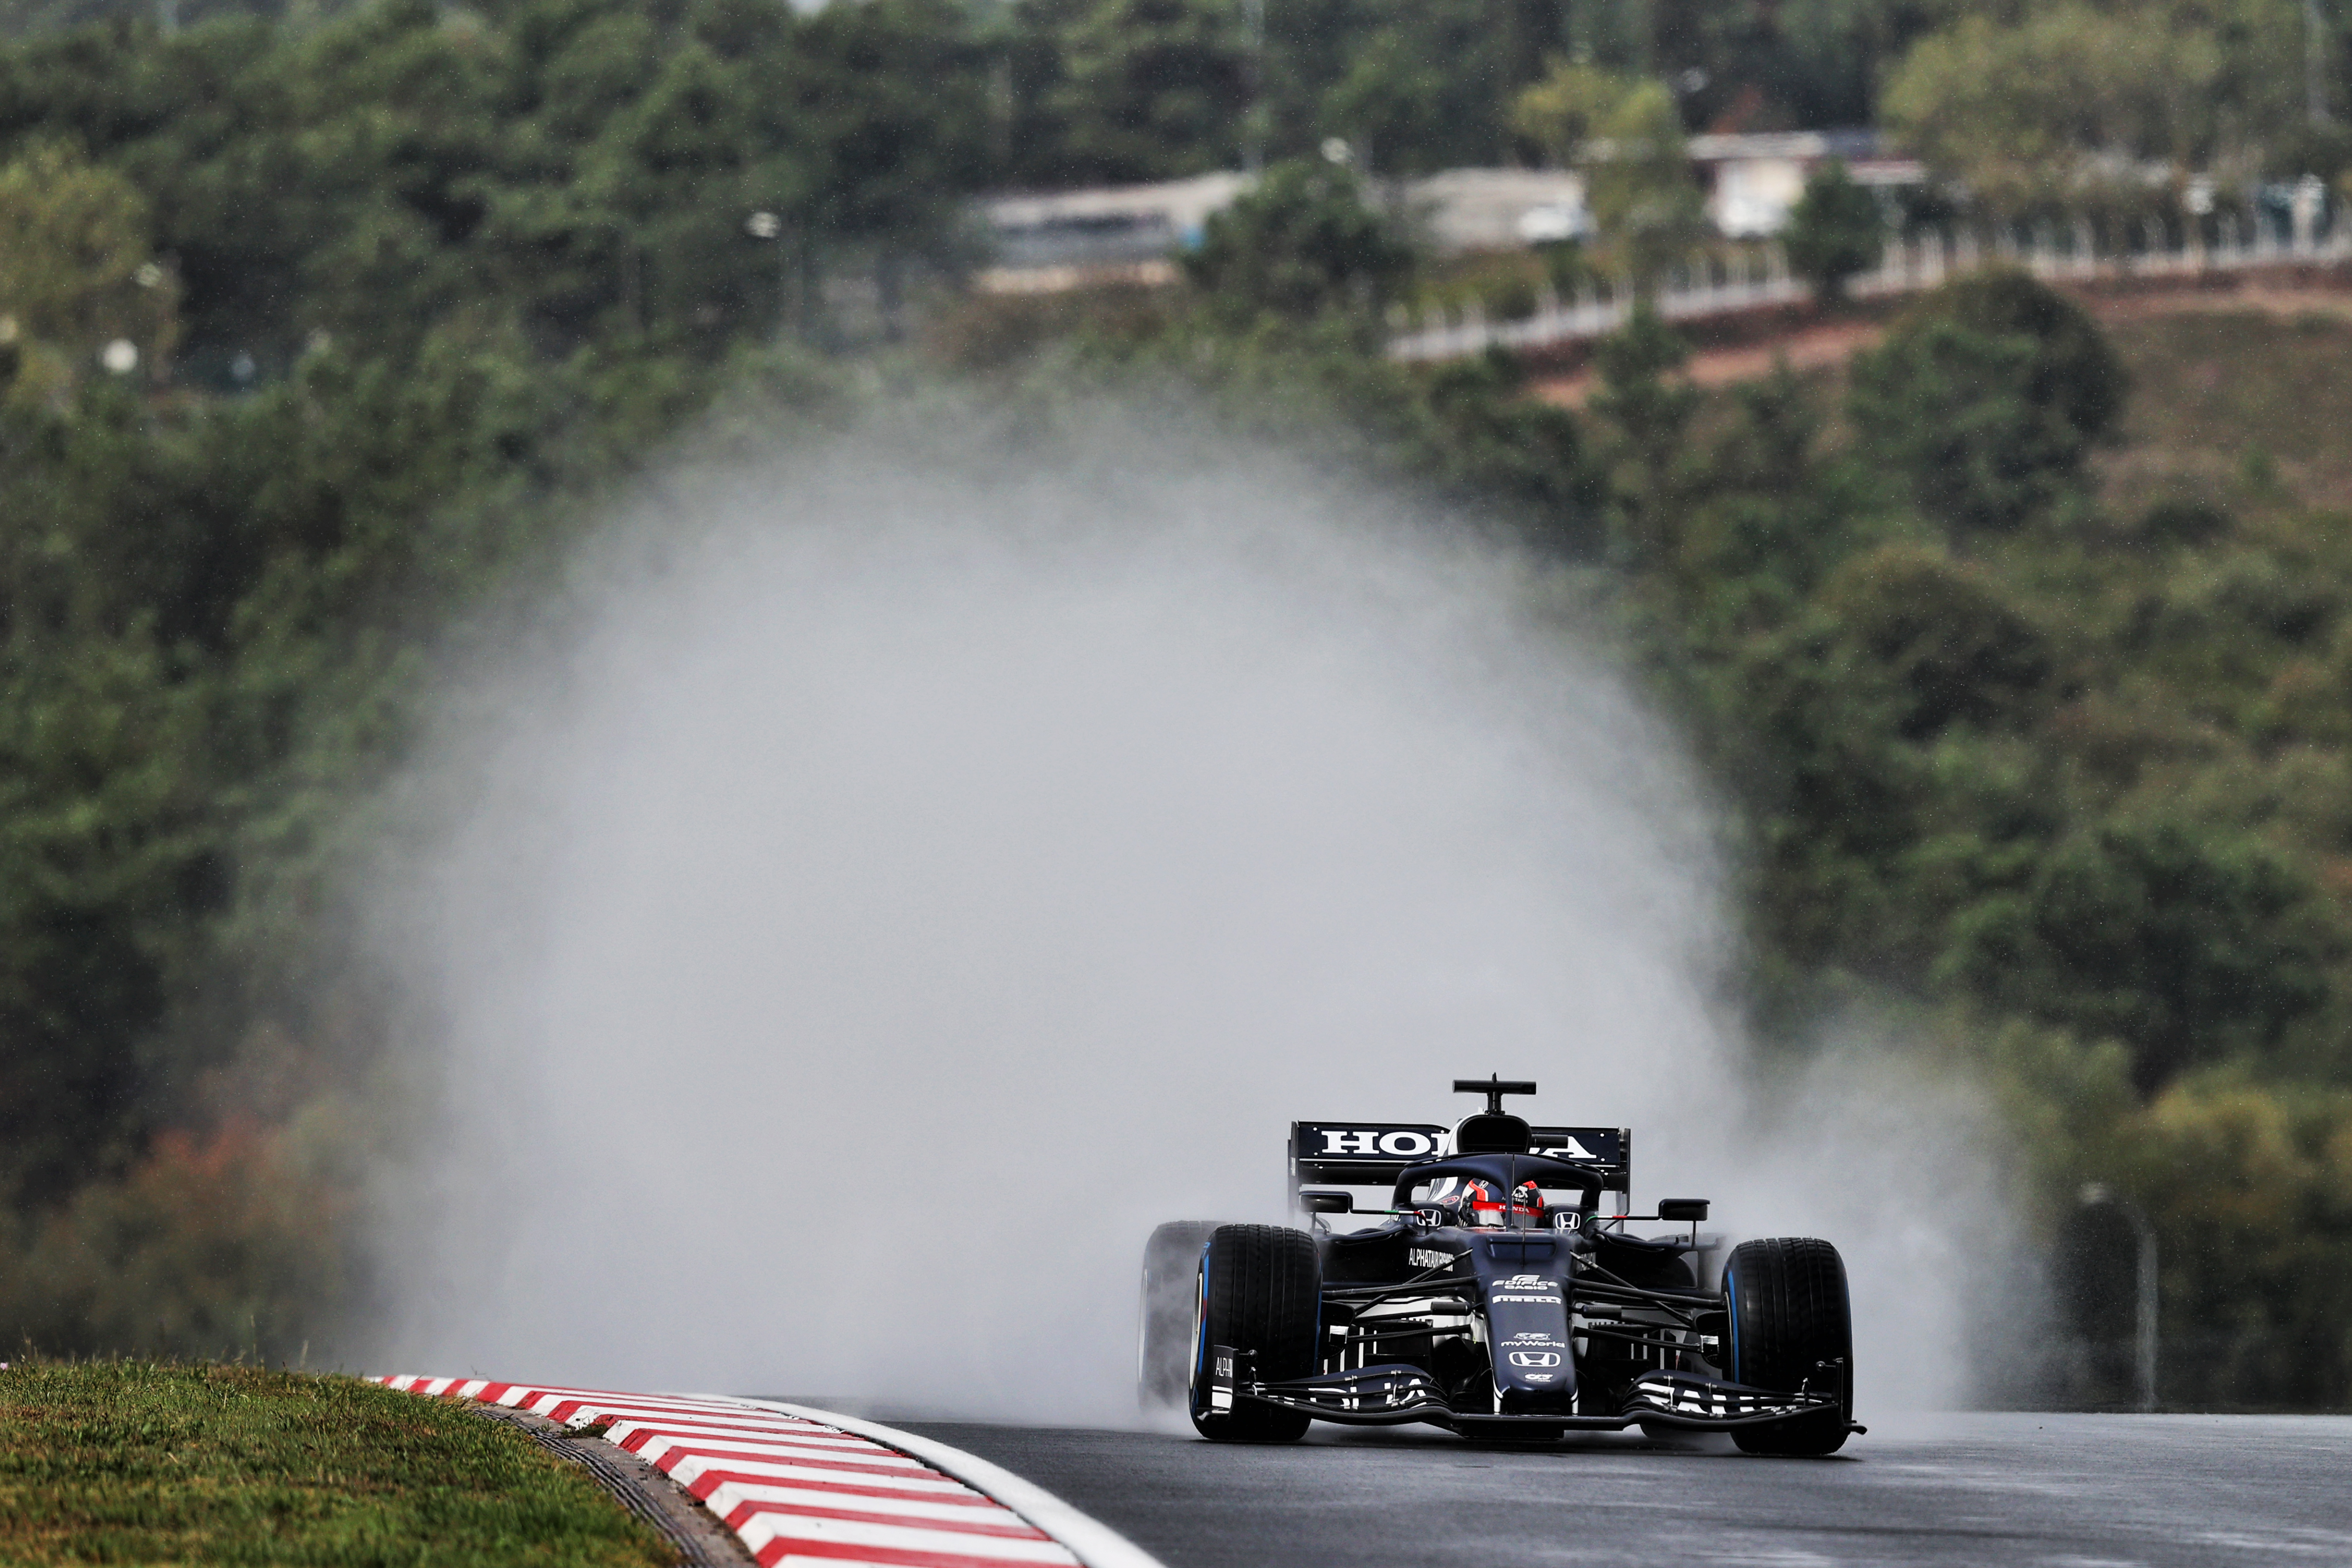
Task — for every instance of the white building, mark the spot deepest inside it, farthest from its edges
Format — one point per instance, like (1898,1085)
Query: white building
(1753,181)
(1132,233)
(1496,209)
(1108,234)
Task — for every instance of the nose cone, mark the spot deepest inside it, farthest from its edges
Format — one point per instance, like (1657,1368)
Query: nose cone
(1527,1321)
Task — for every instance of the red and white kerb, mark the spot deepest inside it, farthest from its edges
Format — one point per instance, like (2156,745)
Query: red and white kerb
(798,1491)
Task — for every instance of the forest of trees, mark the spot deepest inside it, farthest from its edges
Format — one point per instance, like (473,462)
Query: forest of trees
(318,330)
(2024,98)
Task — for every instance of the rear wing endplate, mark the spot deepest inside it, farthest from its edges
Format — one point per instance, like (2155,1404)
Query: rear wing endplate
(1375,1153)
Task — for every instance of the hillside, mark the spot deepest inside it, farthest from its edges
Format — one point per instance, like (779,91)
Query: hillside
(2068,785)
(2017,646)
(2016,643)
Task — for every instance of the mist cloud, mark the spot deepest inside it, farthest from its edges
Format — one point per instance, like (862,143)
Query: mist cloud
(892,876)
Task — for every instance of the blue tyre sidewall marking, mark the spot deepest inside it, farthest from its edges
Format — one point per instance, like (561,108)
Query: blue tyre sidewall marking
(1201,1334)
(1731,1299)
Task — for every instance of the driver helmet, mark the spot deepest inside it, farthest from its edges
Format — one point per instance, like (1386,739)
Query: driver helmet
(1480,1203)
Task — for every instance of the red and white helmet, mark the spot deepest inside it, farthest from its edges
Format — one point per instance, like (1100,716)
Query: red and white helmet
(1480,1203)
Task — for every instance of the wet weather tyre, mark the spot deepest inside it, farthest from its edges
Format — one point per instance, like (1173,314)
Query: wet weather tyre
(1791,1330)
(1261,1292)
(1171,1273)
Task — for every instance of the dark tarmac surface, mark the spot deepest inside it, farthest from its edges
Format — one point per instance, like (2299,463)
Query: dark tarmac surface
(2067,1491)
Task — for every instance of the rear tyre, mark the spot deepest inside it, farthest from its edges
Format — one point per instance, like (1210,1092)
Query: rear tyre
(1791,1330)
(1261,1292)
(1172,1274)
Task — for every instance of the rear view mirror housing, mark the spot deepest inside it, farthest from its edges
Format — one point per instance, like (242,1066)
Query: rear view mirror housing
(1328,1203)
(1681,1209)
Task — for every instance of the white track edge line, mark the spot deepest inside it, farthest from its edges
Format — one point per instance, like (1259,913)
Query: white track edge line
(1095,1543)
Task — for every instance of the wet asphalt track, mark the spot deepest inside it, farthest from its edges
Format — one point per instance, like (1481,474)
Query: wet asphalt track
(2067,1491)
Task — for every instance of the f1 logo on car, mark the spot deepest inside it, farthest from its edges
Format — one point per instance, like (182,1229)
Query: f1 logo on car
(1529,1287)
(1534,1357)
(1401,1145)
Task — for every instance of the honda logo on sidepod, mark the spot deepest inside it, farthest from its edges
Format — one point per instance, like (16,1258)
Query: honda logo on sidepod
(1534,1357)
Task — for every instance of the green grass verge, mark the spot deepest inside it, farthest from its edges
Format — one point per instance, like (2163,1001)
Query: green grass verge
(137,1462)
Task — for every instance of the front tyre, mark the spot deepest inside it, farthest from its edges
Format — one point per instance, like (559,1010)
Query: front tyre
(1172,1274)
(1791,1330)
(1261,1292)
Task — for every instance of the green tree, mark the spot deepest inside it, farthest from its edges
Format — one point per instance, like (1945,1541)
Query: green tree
(1626,134)
(1773,514)
(1136,89)
(1392,104)
(1985,399)
(1299,243)
(1478,54)
(1958,650)
(1946,407)
(1104,90)
(412,230)
(1499,447)
(2188,945)
(1643,396)
(394,132)
(575,168)
(2066,105)
(1834,232)
(891,98)
(77,262)
(1565,113)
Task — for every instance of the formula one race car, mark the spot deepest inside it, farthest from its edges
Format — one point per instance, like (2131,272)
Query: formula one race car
(1499,1298)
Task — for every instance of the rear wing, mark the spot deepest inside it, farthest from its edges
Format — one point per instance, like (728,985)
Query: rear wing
(1375,1153)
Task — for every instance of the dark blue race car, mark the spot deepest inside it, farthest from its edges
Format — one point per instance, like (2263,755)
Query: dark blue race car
(1500,1297)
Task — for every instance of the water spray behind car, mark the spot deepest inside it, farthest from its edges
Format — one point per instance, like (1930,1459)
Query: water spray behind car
(888,878)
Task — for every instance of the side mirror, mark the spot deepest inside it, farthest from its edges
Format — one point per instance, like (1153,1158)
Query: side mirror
(1328,1202)
(1679,1209)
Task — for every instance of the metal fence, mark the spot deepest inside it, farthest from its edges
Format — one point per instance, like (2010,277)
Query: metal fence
(2079,251)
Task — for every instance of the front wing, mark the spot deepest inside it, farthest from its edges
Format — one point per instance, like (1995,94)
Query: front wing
(1398,1395)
